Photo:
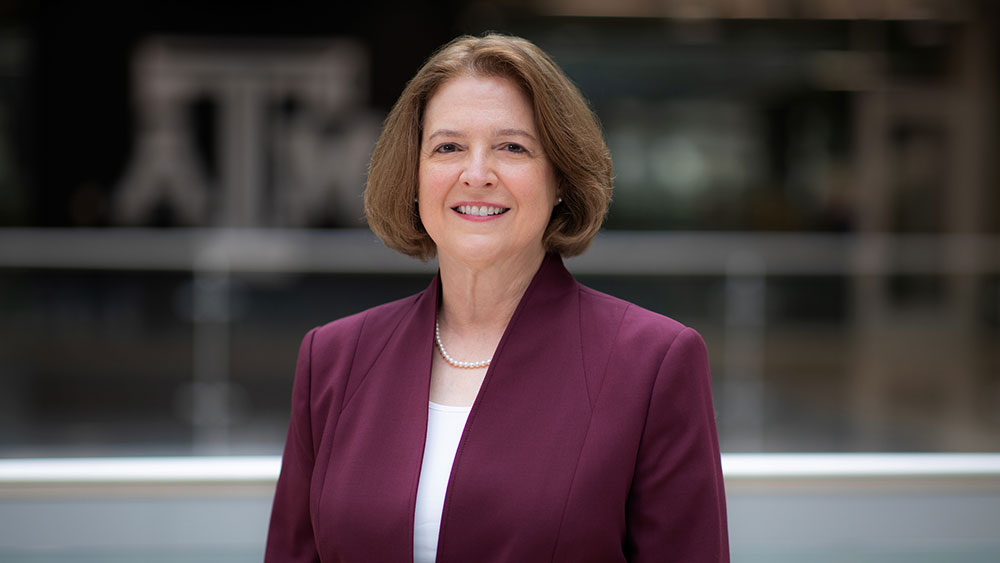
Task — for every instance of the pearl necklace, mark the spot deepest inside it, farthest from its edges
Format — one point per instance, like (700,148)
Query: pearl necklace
(447,357)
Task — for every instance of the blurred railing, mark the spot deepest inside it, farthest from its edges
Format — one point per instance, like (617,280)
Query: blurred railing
(613,252)
(744,260)
(782,507)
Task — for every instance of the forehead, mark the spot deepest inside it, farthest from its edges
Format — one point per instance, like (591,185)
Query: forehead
(478,100)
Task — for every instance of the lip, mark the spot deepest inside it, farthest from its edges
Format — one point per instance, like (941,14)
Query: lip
(479,218)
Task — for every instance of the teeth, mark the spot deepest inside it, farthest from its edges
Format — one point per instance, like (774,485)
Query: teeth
(480,210)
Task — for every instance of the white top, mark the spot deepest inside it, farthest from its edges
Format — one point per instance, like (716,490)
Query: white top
(444,429)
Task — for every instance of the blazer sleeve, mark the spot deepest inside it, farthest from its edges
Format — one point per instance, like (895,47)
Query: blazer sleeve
(290,536)
(676,509)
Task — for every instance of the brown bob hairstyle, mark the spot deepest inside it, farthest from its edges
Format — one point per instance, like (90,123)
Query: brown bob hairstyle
(568,130)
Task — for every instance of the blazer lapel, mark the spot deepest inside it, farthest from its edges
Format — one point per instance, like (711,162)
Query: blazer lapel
(516,458)
(379,441)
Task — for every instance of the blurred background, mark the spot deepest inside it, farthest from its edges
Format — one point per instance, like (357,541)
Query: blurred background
(811,184)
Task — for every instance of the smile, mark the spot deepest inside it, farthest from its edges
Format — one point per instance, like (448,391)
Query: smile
(481,210)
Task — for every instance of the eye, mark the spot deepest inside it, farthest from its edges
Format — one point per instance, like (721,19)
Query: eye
(514,147)
(446,148)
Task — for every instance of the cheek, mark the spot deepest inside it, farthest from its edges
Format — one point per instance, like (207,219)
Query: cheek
(432,179)
(421,178)
(429,197)
(544,189)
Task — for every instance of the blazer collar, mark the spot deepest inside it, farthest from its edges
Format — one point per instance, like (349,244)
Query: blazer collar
(541,342)
(539,331)
(538,321)
(540,348)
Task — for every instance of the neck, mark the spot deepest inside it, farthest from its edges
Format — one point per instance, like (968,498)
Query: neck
(477,301)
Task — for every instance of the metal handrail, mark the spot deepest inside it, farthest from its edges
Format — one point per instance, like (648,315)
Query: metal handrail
(264,469)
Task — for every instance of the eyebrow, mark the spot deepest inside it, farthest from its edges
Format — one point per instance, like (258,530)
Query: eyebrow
(515,132)
(497,133)
(445,133)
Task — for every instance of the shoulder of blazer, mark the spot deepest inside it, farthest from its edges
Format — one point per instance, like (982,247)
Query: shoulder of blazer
(344,349)
(380,319)
(625,325)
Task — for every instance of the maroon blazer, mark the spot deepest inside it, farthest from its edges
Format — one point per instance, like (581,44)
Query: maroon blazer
(592,438)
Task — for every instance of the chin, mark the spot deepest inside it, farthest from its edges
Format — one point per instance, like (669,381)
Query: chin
(489,253)
(474,254)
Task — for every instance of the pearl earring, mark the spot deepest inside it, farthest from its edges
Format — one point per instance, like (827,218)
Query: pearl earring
(558,200)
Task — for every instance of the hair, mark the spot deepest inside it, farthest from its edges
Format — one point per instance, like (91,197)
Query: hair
(569,134)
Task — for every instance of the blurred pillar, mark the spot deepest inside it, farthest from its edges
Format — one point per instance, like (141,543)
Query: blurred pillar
(971,122)
(916,364)
(210,388)
(871,202)
(743,398)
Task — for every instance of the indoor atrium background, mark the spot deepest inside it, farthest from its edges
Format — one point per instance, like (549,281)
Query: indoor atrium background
(811,184)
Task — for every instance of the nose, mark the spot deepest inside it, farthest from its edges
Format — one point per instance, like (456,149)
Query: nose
(478,171)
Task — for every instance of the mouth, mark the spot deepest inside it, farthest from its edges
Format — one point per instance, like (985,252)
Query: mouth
(480,210)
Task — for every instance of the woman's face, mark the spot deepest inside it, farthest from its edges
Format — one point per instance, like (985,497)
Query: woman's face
(486,187)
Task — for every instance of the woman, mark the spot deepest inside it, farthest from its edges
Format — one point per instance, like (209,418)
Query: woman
(506,413)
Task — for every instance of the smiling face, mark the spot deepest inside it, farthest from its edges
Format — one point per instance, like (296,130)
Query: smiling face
(486,188)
